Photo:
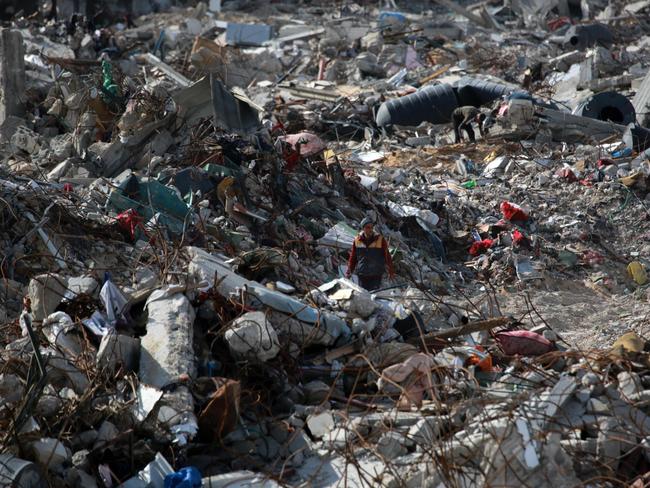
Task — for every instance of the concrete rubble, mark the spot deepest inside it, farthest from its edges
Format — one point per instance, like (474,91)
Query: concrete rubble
(180,187)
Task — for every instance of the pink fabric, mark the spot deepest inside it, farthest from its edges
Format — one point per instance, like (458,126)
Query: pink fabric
(414,376)
(523,343)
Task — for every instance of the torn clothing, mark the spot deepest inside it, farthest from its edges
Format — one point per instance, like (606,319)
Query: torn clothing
(369,256)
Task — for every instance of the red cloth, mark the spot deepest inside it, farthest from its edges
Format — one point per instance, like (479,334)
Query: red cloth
(129,221)
(292,157)
(592,258)
(352,260)
(558,22)
(513,212)
(523,343)
(479,247)
(567,174)
(604,162)
(518,239)
(67,188)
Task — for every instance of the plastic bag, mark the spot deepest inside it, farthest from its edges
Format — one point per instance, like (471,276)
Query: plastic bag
(114,301)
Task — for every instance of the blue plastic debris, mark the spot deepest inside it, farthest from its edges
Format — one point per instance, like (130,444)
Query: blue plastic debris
(189,477)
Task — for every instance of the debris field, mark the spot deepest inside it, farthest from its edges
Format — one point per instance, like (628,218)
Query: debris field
(186,189)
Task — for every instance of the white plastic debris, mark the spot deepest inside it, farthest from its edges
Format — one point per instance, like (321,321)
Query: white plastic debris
(114,301)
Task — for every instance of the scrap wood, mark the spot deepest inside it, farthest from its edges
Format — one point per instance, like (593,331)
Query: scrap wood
(454,332)
(221,415)
(435,74)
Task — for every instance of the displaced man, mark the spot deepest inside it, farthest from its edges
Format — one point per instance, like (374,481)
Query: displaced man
(369,257)
(462,119)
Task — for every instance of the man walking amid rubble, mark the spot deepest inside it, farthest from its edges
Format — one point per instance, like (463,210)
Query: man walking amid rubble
(369,256)
(462,119)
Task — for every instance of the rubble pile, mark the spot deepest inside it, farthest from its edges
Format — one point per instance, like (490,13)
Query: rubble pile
(183,193)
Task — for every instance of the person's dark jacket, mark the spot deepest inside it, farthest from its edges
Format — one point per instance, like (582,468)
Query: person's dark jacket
(370,256)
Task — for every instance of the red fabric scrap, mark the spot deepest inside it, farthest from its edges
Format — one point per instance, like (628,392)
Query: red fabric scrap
(523,343)
(513,212)
(479,247)
(567,174)
(555,24)
(129,221)
(67,188)
(592,258)
(604,162)
(518,239)
(292,158)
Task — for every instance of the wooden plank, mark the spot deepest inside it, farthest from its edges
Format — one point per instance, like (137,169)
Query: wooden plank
(463,330)
(435,74)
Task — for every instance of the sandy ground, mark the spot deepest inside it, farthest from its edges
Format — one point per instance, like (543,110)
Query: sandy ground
(582,317)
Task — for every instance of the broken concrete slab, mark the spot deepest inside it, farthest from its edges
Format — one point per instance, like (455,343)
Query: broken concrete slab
(205,267)
(46,292)
(391,445)
(118,350)
(167,347)
(167,354)
(252,336)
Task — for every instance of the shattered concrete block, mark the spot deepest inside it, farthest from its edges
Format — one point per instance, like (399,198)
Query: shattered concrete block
(106,433)
(82,285)
(60,367)
(61,147)
(426,430)
(598,407)
(559,395)
(59,170)
(49,403)
(79,478)
(267,448)
(609,448)
(25,139)
(629,384)
(391,445)
(9,127)
(50,452)
(11,389)
(320,424)
(362,304)
(252,336)
(30,426)
(118,349)
(46,292)
(302,333)
(590,378)
(316,392)
(85,439)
